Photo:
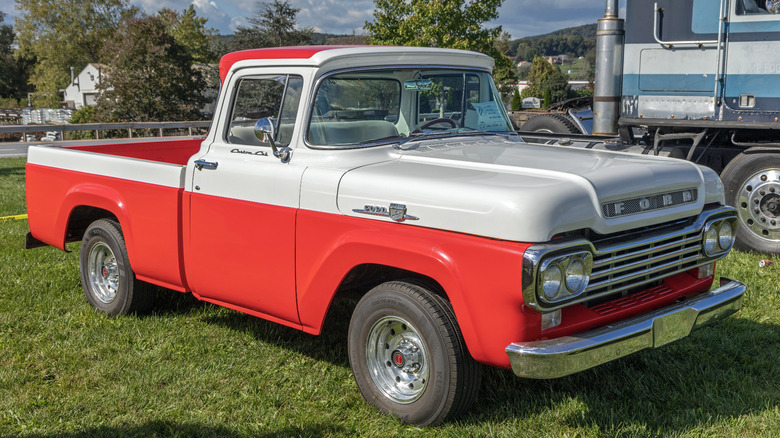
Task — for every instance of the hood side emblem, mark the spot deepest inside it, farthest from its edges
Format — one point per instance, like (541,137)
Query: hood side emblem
(396,212)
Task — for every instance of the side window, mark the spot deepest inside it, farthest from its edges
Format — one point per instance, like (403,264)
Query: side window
(275,97)
(754,7)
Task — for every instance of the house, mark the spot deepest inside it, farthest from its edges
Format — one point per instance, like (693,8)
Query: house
(84,88)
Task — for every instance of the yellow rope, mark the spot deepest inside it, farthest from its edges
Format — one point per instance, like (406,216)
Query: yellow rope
(18,217)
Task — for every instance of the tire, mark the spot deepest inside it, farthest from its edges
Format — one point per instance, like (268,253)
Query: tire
(408,356)
(752,183)
(551,124)
(108,281)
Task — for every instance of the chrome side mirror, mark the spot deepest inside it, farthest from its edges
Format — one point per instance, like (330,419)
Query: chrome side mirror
(265,131)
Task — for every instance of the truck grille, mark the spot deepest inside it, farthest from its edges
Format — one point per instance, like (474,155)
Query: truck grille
(618,267)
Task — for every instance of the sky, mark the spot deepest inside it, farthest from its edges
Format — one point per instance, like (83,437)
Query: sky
(517,17)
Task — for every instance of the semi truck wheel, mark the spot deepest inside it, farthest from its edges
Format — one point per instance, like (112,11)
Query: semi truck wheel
(106,276)
(408,356)
(752,183)
(551,124)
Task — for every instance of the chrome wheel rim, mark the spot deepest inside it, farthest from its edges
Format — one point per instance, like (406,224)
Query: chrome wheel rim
(397,359)
(103,272)
(759,204)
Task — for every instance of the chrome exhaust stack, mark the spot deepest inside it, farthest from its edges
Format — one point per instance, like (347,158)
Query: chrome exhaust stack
(610,39)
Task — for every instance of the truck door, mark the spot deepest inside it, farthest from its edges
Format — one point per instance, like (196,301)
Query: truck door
(241,246)
(753,64)
(671,59)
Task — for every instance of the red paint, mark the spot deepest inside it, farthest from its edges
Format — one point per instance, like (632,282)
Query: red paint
(482,277)
(242,253)
(301,52)
(148,214)
(164,151)
(578,319)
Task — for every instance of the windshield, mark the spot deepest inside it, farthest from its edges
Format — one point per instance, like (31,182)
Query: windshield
(358,108)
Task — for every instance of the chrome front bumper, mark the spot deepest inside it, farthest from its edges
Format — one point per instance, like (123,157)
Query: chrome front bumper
(559,357)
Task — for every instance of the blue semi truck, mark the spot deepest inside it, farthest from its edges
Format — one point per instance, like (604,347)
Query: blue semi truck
(691,79)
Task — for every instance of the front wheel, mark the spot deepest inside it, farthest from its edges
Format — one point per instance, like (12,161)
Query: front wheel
(752,183)
(408,356)
(106,276)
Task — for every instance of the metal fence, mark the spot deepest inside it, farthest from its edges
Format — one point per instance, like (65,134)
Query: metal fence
(160,127)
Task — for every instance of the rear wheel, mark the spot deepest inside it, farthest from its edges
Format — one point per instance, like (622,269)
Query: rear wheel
(106,276)
(551,124)
(408,355)
(752,183)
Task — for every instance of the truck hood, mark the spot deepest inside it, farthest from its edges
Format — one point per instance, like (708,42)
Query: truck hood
(503,188)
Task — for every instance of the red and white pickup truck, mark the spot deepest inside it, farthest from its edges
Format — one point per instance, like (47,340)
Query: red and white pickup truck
(394,172)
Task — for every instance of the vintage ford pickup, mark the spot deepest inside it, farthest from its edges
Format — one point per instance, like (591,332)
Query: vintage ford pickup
(394,172)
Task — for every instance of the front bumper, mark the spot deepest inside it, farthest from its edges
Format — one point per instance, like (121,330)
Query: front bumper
(566,355)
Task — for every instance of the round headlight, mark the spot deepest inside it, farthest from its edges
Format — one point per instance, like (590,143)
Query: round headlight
(725,236)
(551,282)
(711,241)
(576,278)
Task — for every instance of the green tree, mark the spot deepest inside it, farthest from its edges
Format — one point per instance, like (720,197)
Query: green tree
(191,32)
(543,76)
(13,69)
(273,26)
(64,33)
(517,101)
(454,24)
(150,75)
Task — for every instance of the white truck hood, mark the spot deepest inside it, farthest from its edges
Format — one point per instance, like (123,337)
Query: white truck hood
(503,188)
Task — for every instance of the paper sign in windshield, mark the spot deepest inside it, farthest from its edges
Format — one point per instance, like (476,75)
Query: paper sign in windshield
(489,117)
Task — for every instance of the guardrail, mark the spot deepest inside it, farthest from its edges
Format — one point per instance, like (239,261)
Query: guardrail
(97,127)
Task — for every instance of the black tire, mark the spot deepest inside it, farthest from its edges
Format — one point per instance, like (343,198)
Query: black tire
(108,281)
(551,123)
(752,183)
(418,343)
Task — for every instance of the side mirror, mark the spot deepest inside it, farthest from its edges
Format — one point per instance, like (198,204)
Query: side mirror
(265,131)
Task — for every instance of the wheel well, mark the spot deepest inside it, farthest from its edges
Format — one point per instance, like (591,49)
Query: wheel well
(361,279)
(81,217)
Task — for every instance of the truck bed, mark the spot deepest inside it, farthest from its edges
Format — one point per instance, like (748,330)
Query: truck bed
(140,183)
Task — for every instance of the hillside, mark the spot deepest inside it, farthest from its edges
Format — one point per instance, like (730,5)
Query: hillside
(573,41)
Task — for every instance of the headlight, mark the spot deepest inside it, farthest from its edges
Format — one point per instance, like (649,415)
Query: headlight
(564,277)
(711,240)
(576,277)
(718,237)
(551,282)
(725,236)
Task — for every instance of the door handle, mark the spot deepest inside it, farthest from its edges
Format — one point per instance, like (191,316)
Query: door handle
(203,164)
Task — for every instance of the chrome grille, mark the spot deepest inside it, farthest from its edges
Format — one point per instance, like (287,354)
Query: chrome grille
(619,267)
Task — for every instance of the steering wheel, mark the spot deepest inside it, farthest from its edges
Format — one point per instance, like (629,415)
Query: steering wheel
(437,121)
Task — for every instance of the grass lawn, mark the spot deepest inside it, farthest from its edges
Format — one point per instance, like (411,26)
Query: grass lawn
(194,369)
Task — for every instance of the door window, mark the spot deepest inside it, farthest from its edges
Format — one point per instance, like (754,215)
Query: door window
(275,97)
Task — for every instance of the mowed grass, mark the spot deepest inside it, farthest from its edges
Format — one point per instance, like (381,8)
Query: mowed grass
(194,369)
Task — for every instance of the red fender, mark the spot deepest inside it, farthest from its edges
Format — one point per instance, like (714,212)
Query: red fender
(481,277)
(155,218)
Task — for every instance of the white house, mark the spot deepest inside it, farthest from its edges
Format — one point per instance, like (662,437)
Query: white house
(83,89)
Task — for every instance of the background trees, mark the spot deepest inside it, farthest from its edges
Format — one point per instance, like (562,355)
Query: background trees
(454,24)
(547,82)
(273,26)
(13,69)
(151,75)
(61,34)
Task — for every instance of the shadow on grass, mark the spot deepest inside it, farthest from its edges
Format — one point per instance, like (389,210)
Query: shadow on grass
(717,375)
(167,428)
(329,346)
(12,171)
(723,371)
